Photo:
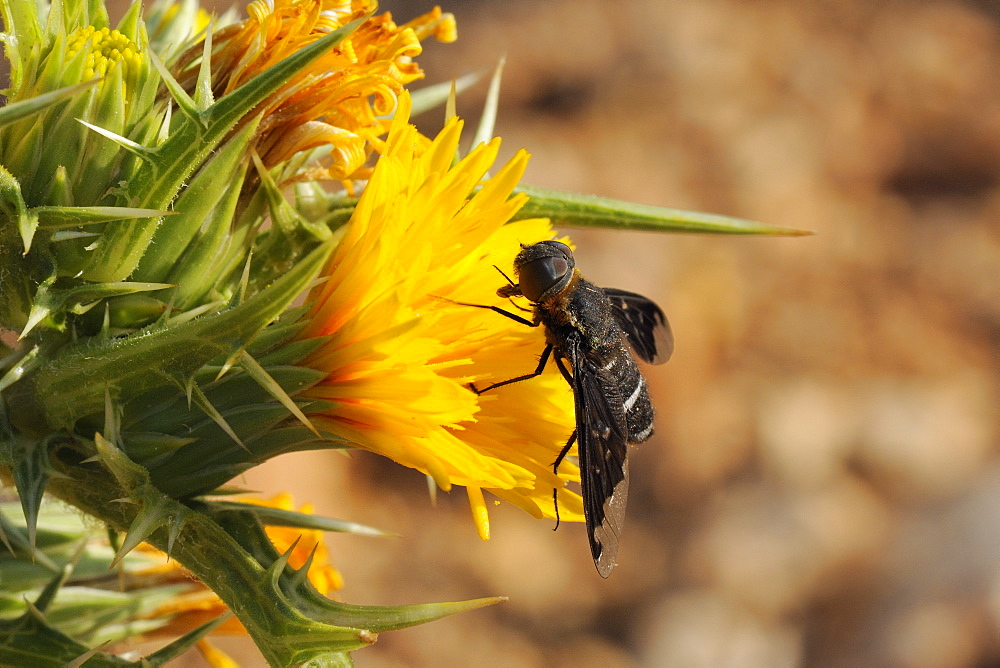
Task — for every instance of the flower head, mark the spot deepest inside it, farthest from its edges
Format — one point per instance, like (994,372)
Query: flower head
(400,353)
(338,100)
(103,50)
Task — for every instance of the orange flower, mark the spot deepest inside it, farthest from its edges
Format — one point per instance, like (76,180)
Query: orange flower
(335,102)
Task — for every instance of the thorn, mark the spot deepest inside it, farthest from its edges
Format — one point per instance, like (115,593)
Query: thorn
(302,574)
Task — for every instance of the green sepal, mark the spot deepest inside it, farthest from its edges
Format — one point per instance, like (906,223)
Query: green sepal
(292,352)
(429,97)
(60,191)
(103,157)
(23,35)
(48,593)
(145,446)
(14,209)
(590,211)
(74,14)
(285,217)
(126,314)
(278,345)
(260,375)
(23,155)
(487,121)
(203,96)
(206,407)
(205,268)
(133,147)
(15,111)
(156,512)
(203,210)
(24,365)
(379,618)
(170,26)
(30,471)
(72,385)
(213,460)
(55,301)
(60,217)
(279,517)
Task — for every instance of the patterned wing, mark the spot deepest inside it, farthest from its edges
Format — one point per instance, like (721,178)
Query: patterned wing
(602,435)
(645,327)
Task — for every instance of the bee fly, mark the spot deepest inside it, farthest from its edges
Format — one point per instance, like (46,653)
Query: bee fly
(590,330)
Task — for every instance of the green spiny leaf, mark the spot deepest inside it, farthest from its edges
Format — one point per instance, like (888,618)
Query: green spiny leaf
(590,211)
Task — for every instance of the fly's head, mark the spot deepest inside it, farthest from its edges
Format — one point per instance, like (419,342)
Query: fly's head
(543,271)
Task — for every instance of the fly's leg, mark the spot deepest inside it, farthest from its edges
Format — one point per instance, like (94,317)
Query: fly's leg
(534,374)
(564,371)
(496,309)
(555,469)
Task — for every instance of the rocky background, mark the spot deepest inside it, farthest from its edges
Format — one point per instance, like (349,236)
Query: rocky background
(824,485)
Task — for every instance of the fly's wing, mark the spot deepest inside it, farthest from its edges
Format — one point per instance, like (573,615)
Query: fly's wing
(602,444)
(645,327)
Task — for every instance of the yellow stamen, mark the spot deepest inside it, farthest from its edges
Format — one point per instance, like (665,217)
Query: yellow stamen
(107,49)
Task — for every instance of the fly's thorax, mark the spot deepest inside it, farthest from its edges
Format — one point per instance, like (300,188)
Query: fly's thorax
(554,310)
(590,312)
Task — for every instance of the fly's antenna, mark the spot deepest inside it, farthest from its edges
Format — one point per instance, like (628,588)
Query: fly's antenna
(510,291)
(504,275)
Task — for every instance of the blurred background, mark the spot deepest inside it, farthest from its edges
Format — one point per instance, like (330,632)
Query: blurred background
(824,484)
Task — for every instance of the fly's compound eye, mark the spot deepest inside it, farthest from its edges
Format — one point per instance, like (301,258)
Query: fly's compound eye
(539,276)
(561,247)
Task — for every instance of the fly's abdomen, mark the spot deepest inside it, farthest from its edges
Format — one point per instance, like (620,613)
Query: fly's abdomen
(639,411)
(632,390)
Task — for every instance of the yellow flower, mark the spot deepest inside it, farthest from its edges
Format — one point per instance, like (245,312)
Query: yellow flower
(400,354)
(106,49)
(337,101)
